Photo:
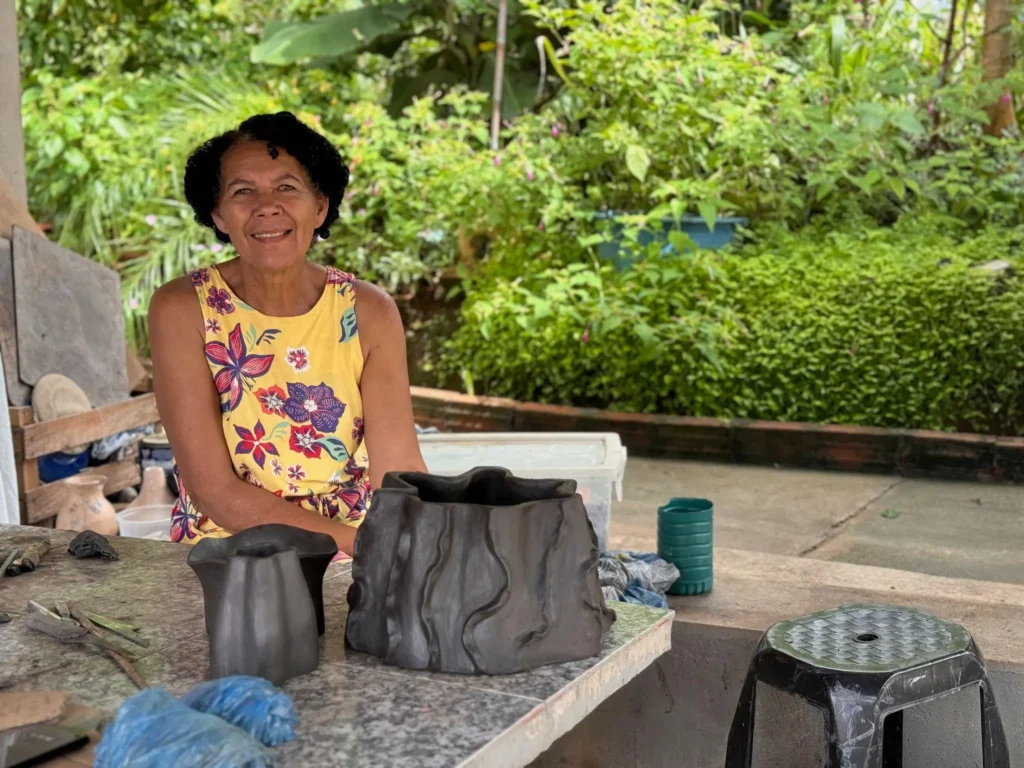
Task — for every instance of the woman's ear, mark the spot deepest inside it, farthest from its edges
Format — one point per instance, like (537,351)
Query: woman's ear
(218,220)
(322,204)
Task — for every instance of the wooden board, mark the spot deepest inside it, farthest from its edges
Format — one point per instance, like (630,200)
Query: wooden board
(20,415)
(18,392)
(47,500)
(31,707)
(13,212)
(69,319)
(40,439)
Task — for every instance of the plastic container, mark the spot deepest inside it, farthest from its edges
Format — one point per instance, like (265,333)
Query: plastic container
(146,522)
(686,539)
(57,466)
(595,460)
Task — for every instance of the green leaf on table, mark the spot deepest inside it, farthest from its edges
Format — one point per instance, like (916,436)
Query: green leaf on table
(637,161)
(890,514)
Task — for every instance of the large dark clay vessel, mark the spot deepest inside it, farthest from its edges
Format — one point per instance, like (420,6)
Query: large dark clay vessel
(263,600)
(483,573)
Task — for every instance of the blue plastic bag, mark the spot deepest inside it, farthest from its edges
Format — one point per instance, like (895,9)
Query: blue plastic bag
(155,730)
(253,704)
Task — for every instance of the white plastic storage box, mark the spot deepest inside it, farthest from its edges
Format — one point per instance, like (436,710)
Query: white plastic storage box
(595,460)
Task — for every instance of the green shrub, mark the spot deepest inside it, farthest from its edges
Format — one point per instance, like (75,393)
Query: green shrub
(894,327)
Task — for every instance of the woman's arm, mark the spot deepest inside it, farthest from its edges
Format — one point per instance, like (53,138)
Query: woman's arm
(190,411)
(387,404)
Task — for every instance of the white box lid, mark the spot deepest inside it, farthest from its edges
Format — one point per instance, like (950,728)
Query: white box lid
(576,455)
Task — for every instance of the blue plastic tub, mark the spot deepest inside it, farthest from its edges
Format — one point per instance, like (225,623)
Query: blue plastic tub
(57,466)
(693,226)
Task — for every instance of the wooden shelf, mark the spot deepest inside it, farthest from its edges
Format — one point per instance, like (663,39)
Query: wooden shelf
(57,435)
(41,502)
(46,501)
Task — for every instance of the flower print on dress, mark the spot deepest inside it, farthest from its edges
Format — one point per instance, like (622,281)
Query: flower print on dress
(296,472)
(277,468)
(185,521)
(355,495)
(212,327)
(304,440)
(220,300)
(316,405)
(253,442)
(238,367)
(357,429)
(272,400)
(199,276)
(298,359)
(344,280)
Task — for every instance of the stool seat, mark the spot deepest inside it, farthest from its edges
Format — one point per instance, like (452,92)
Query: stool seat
(868,638)
(863,665)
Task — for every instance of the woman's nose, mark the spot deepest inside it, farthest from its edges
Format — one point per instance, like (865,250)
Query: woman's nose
(266,205)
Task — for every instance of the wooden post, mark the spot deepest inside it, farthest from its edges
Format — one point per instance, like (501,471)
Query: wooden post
(997,59)
(499,73)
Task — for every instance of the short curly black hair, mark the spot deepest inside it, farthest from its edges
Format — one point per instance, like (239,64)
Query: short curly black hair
(283,130)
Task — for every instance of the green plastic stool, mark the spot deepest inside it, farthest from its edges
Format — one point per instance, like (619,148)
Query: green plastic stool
(685,539)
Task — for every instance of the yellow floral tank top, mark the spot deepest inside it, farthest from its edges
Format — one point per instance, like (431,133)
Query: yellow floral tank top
(290,402)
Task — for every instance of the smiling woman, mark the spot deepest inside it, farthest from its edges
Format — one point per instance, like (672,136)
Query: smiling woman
(284,398)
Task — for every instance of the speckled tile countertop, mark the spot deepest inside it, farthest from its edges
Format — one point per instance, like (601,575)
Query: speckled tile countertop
(353,710)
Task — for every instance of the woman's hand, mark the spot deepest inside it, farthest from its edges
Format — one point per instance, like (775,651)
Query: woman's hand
(390,432)
(190,412)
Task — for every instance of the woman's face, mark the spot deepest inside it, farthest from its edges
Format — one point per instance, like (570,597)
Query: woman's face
(267,205)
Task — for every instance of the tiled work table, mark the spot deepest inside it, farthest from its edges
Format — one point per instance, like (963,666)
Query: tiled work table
(353,711)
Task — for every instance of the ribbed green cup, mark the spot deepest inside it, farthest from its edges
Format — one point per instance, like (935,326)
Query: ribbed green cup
(685,539)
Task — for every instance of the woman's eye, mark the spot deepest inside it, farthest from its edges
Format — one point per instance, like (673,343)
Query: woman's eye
(287,187)
(240,191)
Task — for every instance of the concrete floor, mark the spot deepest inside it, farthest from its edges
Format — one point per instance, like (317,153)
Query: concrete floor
(965,530)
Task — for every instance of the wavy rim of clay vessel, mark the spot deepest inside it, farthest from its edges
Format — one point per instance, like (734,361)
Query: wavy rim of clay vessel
(397,483)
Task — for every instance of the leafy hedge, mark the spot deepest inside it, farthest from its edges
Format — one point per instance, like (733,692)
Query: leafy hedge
(880,327)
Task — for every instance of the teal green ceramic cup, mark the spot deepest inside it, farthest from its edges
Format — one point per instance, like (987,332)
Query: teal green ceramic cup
(685,539)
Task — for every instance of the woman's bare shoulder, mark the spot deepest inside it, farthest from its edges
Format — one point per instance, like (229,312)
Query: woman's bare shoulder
(176,302)
(374,294)
(377,315)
